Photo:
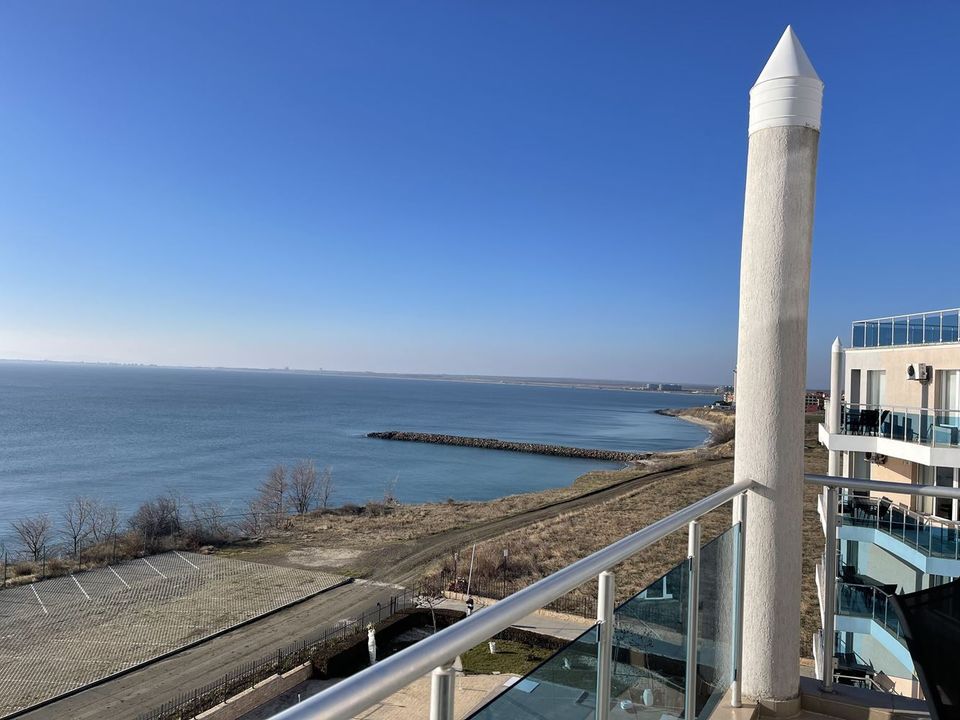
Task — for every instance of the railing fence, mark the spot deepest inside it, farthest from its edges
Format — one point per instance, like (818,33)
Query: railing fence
(248,674)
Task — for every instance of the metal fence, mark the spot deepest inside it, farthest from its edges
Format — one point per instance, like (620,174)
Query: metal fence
(246,675)
(498,589)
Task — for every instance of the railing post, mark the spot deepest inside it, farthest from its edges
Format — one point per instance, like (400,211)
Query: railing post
(830,587)
(739,516)
(693,616)
(442,684)
(605,602)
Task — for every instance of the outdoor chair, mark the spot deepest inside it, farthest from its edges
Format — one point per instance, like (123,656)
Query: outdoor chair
(852,421)
(869,422)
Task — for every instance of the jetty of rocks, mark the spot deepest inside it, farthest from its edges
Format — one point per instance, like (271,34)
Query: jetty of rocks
(494,444)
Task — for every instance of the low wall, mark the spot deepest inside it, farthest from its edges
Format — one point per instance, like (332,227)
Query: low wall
(264,691)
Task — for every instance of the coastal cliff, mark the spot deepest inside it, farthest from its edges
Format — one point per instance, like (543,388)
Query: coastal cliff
(509,446)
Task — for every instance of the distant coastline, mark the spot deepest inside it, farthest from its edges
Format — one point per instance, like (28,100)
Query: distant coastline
(579,383)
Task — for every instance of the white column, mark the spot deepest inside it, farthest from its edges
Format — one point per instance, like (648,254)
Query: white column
(834,458)
(784,134)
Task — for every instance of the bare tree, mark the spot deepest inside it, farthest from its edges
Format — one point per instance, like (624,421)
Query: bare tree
(106,523)
(208,524)
(303,487)
(78,519)
(325,487)
(34,533)
(157,519)
(273,496)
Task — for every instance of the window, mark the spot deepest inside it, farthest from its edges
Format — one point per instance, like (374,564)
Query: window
(876,385)
(945,507)
(949,382)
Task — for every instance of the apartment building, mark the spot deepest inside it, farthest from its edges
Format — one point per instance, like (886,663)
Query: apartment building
(898,421)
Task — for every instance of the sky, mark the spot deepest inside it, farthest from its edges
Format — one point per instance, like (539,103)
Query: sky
(528,188)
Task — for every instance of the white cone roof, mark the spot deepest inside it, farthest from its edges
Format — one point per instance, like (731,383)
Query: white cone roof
(788,91)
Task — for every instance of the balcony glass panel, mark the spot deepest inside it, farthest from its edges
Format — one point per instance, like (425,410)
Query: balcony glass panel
(714,669)
(931,328)
(648,670)
(872,333)
(915,330)
(951,326)
(931,537)
(649,648)
(900,331)
(859,334)
(870,602)
(564,686)
(886,333)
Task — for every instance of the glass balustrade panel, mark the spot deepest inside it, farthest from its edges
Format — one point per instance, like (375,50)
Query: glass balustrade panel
(649,656)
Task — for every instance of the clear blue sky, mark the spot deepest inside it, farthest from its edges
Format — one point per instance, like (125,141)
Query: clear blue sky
(544,188)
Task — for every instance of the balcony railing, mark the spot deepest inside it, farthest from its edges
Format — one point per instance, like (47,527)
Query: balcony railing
(924,426)
(858,599)
(871,602)
(678,659)
(942,326)
(934,537)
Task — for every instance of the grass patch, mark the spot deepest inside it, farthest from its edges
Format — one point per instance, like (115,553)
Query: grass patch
(511,657)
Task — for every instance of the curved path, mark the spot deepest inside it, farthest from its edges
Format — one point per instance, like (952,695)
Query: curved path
(403,561)
(126,697)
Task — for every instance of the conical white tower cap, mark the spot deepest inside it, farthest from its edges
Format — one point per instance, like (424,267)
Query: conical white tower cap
(788,92)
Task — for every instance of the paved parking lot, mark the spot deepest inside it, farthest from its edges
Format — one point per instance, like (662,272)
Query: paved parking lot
(63,633)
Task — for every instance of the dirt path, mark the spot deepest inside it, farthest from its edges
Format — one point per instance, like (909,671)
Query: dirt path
(404,561)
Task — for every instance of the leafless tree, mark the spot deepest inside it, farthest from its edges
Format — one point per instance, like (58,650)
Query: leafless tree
(208,524)
(251,523)
(34,533)
(303,487)
(78,520)
(157,519)
(325,487)
(106,522)
(273,496)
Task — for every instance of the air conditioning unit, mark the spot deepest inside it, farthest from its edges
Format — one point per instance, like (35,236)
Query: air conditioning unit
(918,371)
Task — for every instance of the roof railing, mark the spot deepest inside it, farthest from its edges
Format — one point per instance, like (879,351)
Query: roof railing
(927,328)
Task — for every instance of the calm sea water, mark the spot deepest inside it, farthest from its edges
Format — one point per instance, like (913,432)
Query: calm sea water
(126,434)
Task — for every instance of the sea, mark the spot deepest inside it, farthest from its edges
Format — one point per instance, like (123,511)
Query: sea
(125,434)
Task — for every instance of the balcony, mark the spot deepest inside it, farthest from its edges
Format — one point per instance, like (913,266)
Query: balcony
(929,328)
(928,436)
(928,543)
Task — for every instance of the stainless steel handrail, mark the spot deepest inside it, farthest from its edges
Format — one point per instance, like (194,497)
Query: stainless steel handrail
(882,486)
(358,692)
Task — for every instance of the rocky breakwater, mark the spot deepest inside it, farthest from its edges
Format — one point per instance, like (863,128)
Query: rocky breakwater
(509,446)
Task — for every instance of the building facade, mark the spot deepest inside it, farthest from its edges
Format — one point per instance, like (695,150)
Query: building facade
(899,421)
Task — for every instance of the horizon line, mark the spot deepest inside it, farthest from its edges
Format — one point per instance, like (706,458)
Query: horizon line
(369,373)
